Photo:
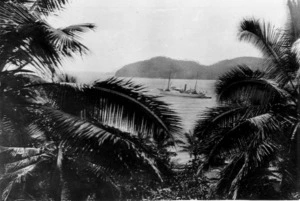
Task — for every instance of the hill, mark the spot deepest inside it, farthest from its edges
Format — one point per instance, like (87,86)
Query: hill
(160,67)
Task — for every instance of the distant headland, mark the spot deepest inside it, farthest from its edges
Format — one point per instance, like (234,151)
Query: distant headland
(161,67)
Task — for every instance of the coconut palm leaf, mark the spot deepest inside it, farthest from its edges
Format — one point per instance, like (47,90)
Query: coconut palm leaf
(264,36)
(77,29)
(96,141)
(115,103)
(275,45)
(47,7)
(229,128)
(44,7)
(36,134)
(92,175)
(230,172)
(98,172)
(242,85)
(26,35)
(214,120)
(292,26)
(249,136)
(22,152)
(244,166)
(65,39)
(246,139)
(14,166)
(263,181)
(18,177)
(256,128)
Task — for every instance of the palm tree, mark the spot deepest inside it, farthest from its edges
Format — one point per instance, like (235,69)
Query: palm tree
(252,134)
(28,40)
(99,127)
(52,133)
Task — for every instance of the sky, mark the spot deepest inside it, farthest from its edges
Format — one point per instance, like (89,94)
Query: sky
(127,31)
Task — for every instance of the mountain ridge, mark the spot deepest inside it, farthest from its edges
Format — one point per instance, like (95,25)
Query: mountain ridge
(160,67)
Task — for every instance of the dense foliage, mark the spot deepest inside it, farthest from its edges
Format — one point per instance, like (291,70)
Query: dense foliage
(253,134)
(60,140)
(65,141)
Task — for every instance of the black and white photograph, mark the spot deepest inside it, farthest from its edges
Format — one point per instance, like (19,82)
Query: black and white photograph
(112,100)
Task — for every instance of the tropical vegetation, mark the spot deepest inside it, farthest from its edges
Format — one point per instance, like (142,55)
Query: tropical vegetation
(252,136)
(111,140)
(61,140)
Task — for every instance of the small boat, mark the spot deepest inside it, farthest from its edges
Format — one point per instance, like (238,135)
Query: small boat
(173,91)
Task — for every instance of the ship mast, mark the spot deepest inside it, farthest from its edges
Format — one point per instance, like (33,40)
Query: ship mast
(196,83)
(169,82)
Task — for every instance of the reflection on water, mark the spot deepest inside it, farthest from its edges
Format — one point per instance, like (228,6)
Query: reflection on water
(188,109)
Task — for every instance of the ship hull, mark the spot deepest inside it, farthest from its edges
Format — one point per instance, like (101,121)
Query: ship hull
(171,93)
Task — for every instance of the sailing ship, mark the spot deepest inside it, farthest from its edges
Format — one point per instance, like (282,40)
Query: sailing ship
(191,93)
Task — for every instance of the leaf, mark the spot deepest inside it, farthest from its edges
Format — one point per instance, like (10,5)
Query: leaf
(281,62)
(264,36)
(11,167)
(115,103)
(242,85)
(25,38)
(292,26)
(110,147)
(20,151)
(65,39)
(47,7)
(7,190)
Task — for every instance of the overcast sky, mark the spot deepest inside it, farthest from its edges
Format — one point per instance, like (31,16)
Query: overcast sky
(131,30)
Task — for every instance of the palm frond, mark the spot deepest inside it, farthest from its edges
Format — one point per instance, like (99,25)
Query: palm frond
(6,191)
(46,7)
(65,39)
(22,152)
(109,147)
(36,134)
(292,26)
(160,111)
(242,85)
(19,31)
(26,38)
(15,177)
(225,116)
(245,166)
(264,36)
(237,138)
(281,62)
(14,166)
(229,173)
(77,29)
(98,172)
(292,36)
(115,103)
(227,130)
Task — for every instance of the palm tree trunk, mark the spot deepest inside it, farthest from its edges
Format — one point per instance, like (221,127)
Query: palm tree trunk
(64,190)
